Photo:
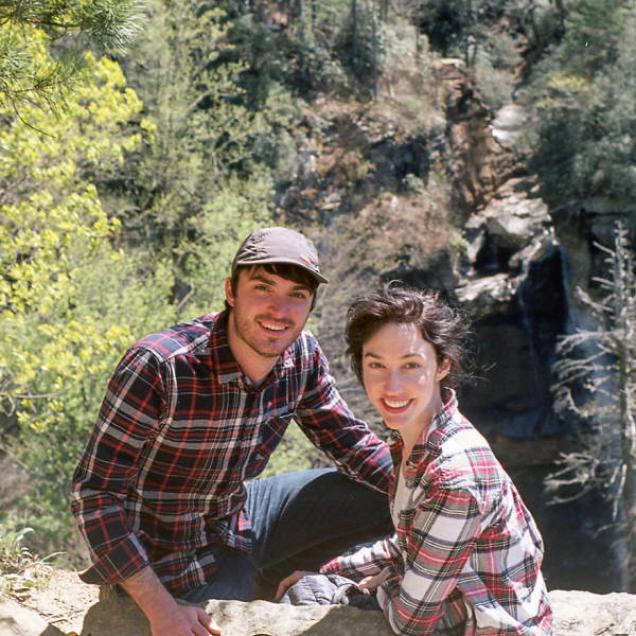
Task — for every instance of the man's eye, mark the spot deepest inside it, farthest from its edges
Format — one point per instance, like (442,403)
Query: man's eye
(300,296)
(374,365)
(412,365)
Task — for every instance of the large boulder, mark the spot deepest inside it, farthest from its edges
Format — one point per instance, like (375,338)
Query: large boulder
(576,613)
(120,616)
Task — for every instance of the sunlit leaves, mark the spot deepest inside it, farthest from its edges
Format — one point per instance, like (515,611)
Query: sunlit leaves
(70,300)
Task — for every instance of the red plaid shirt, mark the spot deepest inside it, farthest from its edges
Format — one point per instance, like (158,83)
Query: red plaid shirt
(178,433)
(466,556)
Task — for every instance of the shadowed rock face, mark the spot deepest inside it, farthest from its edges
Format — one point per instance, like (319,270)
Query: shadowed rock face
(483,238)
(576,614)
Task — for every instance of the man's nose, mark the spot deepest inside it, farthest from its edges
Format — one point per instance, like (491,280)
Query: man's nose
(279,305)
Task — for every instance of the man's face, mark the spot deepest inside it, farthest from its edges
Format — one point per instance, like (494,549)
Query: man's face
(268,312)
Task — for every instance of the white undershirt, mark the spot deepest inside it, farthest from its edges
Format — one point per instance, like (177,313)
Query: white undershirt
(400,498)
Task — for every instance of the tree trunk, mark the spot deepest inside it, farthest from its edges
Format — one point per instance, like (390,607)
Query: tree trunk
(533,24)
(354,33)
(625,317)
(375,54)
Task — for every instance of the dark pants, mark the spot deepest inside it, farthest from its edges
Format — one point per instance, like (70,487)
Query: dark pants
(299,521)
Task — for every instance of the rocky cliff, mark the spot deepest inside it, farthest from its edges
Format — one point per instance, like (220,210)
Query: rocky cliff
(424,185)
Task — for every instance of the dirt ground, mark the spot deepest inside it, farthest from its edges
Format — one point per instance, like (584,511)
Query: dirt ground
(63,602)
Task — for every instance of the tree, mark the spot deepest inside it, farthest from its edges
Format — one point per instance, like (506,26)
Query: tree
(597,385)
(583,96)
(203,183)
(70,299)
(71,27)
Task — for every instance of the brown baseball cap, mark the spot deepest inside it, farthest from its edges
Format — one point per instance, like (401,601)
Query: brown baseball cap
(279,245)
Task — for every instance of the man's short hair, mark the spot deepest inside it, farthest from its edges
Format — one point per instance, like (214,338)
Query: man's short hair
(284,270)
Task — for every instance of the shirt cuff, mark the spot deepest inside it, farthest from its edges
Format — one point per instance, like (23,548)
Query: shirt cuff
(125,559)
(331,567)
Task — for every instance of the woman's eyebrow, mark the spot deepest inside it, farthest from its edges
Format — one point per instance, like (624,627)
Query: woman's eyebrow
(415,354)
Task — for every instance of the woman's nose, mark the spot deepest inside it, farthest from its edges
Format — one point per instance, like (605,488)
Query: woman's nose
(392,381)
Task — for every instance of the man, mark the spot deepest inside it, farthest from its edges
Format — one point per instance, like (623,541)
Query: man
(194,411)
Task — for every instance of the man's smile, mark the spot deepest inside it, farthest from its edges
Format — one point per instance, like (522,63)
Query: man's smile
(275,326)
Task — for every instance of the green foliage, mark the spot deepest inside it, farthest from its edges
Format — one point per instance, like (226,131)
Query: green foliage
(198,186)
(26,76)
(454,27)
(593,31)
(70,301)
(495,64)
(295,452)
(20,569)
(584,97)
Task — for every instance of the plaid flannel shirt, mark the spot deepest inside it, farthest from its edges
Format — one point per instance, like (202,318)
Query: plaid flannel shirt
(466,555)
(180,430)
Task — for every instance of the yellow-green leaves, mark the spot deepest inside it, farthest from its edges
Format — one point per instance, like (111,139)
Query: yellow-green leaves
(71,301)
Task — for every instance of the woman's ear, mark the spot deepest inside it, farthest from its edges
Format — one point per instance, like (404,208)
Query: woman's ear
(444,369)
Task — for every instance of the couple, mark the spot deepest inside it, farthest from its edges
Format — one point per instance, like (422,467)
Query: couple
(164,494)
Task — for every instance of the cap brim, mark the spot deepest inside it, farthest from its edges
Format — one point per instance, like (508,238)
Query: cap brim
(277,259)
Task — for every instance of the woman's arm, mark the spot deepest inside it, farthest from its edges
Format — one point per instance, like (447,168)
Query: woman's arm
(365,562)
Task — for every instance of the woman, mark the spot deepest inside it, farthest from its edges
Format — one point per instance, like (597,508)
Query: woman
(466,555)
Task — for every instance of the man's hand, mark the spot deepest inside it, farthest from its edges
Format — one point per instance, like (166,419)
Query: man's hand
(165,615)
(183,620)
(288,581)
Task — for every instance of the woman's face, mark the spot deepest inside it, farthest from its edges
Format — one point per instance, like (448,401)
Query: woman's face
(401,377)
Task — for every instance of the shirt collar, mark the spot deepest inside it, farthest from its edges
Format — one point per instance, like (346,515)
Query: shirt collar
(224,364)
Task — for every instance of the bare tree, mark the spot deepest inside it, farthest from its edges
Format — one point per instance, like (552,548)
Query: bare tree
(596,386)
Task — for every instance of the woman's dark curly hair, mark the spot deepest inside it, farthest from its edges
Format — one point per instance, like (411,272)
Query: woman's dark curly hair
(441,325)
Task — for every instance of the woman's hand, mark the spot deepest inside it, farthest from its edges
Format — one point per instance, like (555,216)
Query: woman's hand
(372,582)
(288,581)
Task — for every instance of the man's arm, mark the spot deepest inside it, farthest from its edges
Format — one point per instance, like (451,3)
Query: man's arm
(129,413)
(165,615)
(329,423)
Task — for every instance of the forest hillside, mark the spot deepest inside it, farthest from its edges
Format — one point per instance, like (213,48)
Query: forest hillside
(481,148)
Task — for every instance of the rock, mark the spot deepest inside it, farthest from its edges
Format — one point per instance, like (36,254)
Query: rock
(577,613)
(515,220)
(486,296)
(586,614)
(16,620)
(119,615)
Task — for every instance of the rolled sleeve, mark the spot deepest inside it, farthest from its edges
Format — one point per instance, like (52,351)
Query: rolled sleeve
(367,561)
(126,558)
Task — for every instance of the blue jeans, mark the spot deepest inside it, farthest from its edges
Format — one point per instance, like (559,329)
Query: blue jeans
(299,521)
